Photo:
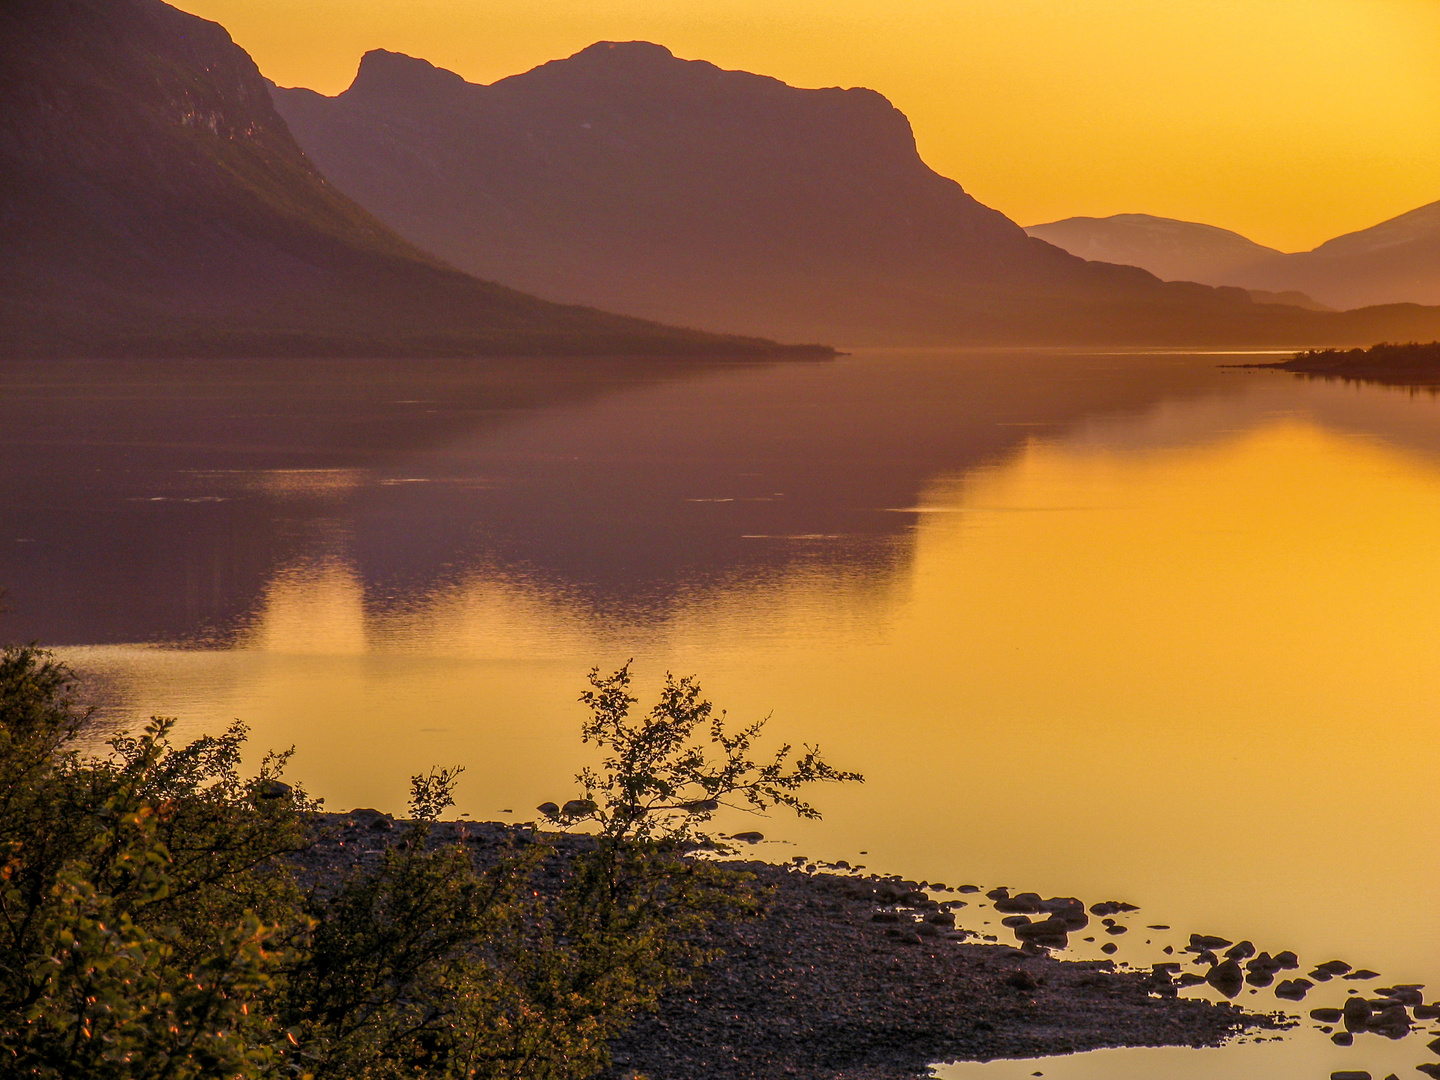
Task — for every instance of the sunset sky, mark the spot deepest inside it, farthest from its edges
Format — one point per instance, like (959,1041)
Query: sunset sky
(1290,121)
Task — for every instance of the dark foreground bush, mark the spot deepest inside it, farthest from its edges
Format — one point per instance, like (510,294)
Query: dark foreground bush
(152,926)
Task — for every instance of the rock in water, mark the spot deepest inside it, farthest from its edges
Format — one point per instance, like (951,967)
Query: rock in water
(1356,1013)
(1294,989)
(1226,977)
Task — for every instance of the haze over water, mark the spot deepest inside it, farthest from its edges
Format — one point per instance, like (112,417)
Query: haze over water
(1130,627)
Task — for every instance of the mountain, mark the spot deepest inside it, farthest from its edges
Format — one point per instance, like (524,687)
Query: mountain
(1395,262)
(626,178)
(1169,249)
(152,202)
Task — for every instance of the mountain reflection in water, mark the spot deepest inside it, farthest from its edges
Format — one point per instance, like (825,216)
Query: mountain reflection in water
(1106,626)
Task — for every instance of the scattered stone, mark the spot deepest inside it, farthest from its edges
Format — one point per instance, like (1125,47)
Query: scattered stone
(1431,1070)
(1287,960)
(1023,904)
(1334,967)
(1047,930)
(1392,1021)
(549,809)
(1110,948)
(1112,907)
(743,837)
(1343,1038)
(1293,989)
(1189,978)
(967,889)
(1206,942)
(1226,977)
(1264,962)
(1427,1012)
(1356,1012)
(1157,926)
(1241,951)
(1363,973)
(1405,995)
(1349,1074)
(815,989)
(1327,1016)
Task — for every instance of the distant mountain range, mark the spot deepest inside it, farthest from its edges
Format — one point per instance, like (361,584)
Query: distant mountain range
(152,202)
(1397,261)
(628,179)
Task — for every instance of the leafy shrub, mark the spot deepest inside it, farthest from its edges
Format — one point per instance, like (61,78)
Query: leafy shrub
(152,926)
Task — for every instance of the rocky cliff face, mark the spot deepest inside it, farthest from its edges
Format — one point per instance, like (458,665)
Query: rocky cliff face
(152,201)
(627,178)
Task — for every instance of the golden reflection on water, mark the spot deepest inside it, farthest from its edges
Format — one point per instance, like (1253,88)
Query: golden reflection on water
(1197,673)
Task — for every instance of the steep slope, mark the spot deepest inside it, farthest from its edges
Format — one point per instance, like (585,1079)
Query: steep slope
(627,178)
(1395,262)
(153,202)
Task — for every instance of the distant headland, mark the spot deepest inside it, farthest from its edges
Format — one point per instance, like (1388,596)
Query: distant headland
(1411,364)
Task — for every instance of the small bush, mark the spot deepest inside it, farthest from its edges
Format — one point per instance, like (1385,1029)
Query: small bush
(152,926)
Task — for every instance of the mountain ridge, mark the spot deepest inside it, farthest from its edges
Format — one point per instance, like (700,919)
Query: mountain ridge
(626,178)
(1395,261)
(153,202)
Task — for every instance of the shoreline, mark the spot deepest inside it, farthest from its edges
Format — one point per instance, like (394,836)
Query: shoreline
(1411,364)
(844,976)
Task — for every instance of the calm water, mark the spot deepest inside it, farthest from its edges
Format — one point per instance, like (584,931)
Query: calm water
(1129,627)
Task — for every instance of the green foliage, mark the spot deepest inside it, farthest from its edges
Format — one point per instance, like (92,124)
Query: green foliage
(660,779)
(152,925)
(137,895)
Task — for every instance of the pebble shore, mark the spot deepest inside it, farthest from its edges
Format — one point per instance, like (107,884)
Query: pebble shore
(851,977)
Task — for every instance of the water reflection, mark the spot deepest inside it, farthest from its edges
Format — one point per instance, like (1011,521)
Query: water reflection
(1116,626)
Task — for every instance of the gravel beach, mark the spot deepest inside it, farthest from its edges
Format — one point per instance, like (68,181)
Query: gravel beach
(850,977)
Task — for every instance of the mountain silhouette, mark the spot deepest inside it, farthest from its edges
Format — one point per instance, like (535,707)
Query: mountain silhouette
(1169,249)
(152,202)
(1395,262)
(626,178)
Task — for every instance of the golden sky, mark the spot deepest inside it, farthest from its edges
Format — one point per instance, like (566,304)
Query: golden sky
(1290,121)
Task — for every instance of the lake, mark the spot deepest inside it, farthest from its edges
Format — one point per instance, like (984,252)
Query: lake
(1118,626)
